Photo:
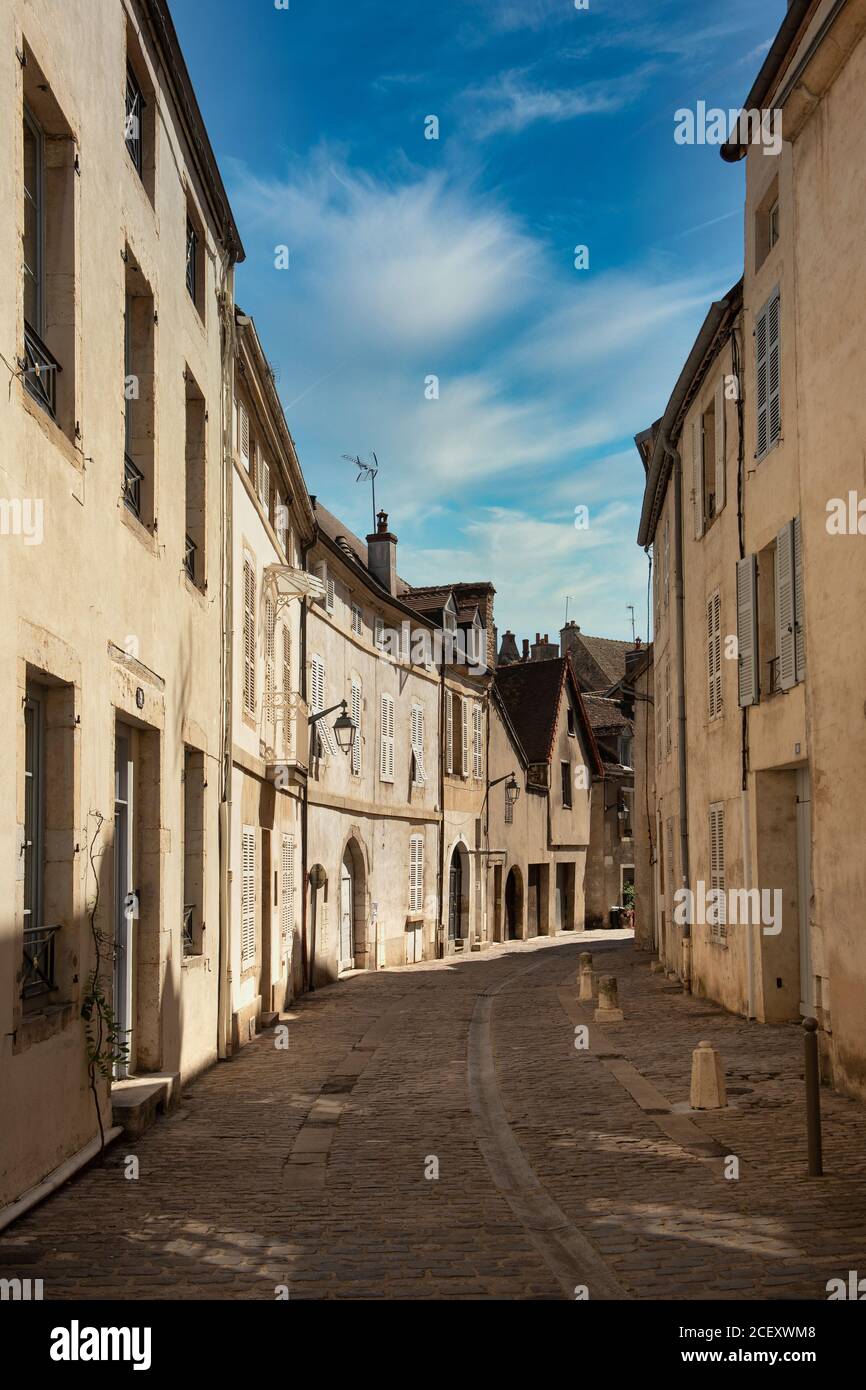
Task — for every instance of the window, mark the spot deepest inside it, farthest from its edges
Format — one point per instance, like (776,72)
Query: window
(464,737)
(416,873)
(625,747)
(565,774)
(327,580)
(248,897)
(132,129)
(773,224)
(357,619)
(249,579)
(569,717)
(281,522)
(624,812)
(195,533)
(196,260)
(139,382)
(718,929)
(48,266)
(419,775)
(287,888)
(477,743)
(193,851)
(355,712)
(34,815)
(263,481)
(379,631)
(672,878)
(767,225)
(242,442)
(768,376)
(325,739)
(667,560)
(191,259)
(386,738)
(714,655)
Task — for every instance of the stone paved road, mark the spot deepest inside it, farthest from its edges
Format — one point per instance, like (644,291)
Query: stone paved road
(307,1167)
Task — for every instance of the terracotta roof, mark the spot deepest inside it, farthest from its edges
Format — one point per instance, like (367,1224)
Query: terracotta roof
(606,715)
(350,544)
(531,693)
(599,662)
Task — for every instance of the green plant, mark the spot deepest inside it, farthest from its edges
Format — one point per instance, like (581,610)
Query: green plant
(105,1043)
(628,895)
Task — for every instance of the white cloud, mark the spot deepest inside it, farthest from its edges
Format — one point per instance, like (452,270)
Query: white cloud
(509,102)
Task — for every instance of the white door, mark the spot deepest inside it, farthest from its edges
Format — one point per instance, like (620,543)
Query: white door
(125,905)
(804,892)
(347,950)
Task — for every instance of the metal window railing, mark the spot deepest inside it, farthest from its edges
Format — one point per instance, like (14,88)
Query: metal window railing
(132,480)
(189,557)
(189,929)
(39,369)
(773,665)
(38,972)
(191,254)
(132,129)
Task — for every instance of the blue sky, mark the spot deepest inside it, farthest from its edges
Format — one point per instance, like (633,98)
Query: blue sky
(455,257)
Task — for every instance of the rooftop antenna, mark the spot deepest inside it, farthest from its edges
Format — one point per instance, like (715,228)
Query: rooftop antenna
(567,602)
(630,608)
(365,471)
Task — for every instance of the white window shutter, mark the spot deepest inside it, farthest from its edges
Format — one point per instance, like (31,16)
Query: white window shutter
(356,720)
(449,731)
(249,637)
(477,767)
(698,478)
(264,481)
(799,610)
(287,688)
(317,670)
(785,606)
(774,371)
(464,736)
(248,895)
(747,631)
(717,866)
(287,896)
(720,444)
(386,738)
(244,429)
(416,873)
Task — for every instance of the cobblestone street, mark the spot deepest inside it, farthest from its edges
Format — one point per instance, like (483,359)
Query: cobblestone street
(557,1167)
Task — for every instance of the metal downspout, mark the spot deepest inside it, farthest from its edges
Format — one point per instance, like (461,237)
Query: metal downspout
(674,455)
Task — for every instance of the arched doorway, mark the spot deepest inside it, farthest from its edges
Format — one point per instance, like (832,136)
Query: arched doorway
(513,906)
(458,894)
(353,952)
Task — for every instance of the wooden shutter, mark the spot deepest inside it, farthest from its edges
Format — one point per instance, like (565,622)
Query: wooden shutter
(449,731)
(416,873)
(244,435)
(477,768)
(386,738)
(785,645)
(356,720)
(774,371)
(417,733)
(317,670)
(287,688)
(248,896)
(669,739)
(698,478)
(720,444)
(799,611)
(717,866)
(263,480)
(249,637)
(747,631)
(287,899)
(714,655)
(270,658)
(464,736)
(667,560)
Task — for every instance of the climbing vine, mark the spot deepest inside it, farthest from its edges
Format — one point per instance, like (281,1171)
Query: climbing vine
(106,1044)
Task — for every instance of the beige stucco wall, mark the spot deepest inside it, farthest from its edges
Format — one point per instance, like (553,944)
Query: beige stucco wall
(102,602)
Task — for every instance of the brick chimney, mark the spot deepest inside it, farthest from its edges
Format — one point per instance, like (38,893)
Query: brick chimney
(567,636)
(382,555)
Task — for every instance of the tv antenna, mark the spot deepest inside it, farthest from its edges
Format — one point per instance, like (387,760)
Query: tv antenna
(630,609)
(365,471)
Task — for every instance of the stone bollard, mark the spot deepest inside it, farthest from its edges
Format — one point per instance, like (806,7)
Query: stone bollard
(586,959)
(585,995)
(608,1010)
(708,1079)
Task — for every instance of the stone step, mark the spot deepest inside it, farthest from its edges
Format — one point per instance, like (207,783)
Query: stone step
(136,1100)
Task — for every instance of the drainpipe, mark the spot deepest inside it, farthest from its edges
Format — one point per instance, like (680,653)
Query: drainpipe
(674,455)
(440,873)
(305,550)
(224,977)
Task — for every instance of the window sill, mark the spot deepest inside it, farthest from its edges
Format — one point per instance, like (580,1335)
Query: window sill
(195,960)
(37,1025)
(142,533)
(50,428)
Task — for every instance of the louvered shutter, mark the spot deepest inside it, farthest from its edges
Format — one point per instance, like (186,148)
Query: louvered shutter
(667,560)
(386,738)
(717,867)
(449,731)
(249,638)
(317,669)
(244,433)
(270,658)
(761,383)
(717,649)
(248,896)
(799,610)
(420,774)
(464,736)
(774,372)
(785,645)
(747,631)
(235,437)
(477,768)
(356,720)
(264,482)
(416,873)
(720,444)
(287,688)
(698,479)
(287,901)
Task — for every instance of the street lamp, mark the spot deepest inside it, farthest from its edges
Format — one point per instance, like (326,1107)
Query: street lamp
(512,791)
(344,725)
